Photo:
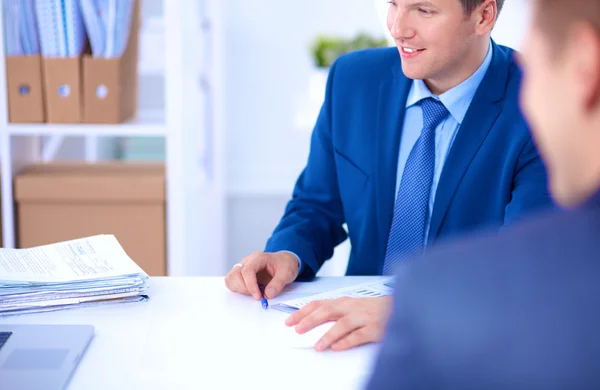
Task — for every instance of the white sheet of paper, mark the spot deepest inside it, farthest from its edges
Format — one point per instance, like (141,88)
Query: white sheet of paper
(376,289)
(83,259)
(67,301)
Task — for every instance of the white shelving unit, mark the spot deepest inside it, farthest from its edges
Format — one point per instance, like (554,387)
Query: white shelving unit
(183,45)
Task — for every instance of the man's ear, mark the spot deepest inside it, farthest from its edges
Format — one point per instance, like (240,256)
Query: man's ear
(486,14)
(583,50)
(518,57)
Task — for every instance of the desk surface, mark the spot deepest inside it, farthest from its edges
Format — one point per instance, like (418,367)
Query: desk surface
(193,333)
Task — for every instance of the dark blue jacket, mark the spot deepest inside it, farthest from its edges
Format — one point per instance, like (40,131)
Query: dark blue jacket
(492,176)
(519,311)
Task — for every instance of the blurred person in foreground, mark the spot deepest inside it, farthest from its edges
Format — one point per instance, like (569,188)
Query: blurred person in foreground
(414,145)
(520,310)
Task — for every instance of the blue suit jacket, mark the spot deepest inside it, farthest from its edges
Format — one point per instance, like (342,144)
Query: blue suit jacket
(519,311)
(492,175)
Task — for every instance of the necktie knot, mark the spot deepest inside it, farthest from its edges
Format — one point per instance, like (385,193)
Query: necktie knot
(434,112)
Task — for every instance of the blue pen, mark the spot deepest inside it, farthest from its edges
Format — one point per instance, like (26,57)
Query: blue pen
(263,300)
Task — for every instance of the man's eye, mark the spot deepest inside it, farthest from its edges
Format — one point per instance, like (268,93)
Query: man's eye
(424,11)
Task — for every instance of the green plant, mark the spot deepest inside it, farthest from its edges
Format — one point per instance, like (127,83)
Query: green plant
(326,48)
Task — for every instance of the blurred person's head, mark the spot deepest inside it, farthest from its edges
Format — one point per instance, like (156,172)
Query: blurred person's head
(561,94)
(442,42)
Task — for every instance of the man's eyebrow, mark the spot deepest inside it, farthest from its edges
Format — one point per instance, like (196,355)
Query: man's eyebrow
(420,4)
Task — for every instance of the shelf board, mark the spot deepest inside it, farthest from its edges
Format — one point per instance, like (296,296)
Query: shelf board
(146,125)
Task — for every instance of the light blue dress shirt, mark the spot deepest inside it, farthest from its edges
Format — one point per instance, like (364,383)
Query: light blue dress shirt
(457,101)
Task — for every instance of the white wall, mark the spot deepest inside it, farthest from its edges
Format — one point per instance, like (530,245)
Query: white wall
(512,23)
(268,66)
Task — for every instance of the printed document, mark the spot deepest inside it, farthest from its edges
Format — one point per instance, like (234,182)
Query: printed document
(85,272)
(78,260)
(376,289)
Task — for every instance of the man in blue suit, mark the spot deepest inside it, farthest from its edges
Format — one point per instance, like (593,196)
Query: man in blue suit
(413,145)
(519,311)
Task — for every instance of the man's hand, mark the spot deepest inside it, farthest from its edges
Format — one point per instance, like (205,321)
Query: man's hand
(358,321)
(274,270)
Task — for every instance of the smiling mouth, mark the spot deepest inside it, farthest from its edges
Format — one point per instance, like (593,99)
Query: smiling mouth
(409,50)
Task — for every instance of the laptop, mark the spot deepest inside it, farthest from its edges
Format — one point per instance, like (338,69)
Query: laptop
(41,357)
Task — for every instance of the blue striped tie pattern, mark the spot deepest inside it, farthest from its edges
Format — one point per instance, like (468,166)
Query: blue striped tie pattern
(407,233)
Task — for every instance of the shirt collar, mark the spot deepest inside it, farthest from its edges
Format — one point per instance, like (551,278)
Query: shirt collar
(457,99)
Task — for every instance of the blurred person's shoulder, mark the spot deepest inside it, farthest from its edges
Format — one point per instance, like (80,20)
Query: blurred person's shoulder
(556,244)
(516,304)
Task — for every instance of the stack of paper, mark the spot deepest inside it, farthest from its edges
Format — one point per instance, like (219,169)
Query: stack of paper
(62,31)
(108,25)
(28,28)
(84,272)
(20,28)
(12,30)
(95,17)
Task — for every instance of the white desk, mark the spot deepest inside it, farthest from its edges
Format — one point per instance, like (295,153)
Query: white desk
(195,334)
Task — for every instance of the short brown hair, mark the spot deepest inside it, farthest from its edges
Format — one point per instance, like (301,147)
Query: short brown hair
(470,5)
(555,17)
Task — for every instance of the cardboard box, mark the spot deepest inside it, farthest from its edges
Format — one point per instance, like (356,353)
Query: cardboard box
(24,89)
(63,201)
(62,89)
(110,85)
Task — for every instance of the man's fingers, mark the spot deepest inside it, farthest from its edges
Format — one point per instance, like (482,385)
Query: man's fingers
(321,315)
(364,335)
(249,277)
(275,285)
(227,283)
(247,269)
(285,273)
(275,268)
(342,328)
(235,282)
(239,285)
(300,314)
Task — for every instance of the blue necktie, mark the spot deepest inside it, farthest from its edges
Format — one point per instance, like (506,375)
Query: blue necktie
(407,234)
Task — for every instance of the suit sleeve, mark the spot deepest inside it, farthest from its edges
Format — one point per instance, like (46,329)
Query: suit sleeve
(530,186)
(312,224)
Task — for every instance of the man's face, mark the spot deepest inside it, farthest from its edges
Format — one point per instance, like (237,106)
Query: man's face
(432,36)
(550,101)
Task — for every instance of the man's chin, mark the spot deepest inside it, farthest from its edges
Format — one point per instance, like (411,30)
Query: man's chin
(565,194)
(413,73)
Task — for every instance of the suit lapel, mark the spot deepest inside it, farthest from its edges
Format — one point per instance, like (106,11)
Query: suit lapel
(479,120)
(391,107)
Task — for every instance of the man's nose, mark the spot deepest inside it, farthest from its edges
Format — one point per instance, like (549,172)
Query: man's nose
(402,27)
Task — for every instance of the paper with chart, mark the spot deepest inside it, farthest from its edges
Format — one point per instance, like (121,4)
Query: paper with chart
(83,272)
(380,288)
